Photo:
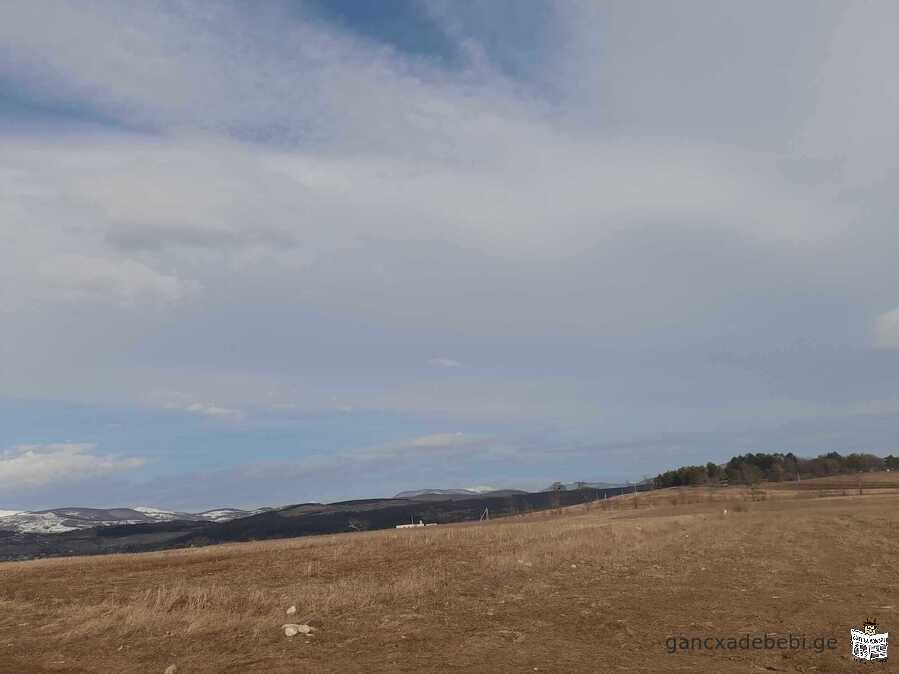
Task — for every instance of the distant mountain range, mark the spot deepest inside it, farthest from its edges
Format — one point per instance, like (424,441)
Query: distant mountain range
(61,520)
(85,531)
(429,494)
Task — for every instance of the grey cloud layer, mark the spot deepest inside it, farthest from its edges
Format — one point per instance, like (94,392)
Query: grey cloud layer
(628,233)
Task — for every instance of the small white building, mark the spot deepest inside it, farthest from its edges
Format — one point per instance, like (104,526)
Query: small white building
(420,523)
(409,526)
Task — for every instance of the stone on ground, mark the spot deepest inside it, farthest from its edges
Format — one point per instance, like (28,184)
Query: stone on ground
(292,629)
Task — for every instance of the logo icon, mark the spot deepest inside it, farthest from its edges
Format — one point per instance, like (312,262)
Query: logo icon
(867,644)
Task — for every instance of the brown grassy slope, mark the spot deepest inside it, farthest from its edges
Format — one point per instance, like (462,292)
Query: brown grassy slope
(589,589)
(878,480)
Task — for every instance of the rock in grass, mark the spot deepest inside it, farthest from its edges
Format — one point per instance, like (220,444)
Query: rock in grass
(291,610)
(171,669)
(292,629)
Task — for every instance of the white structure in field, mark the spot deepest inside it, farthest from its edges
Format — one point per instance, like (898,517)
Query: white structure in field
(409,526)
(869,646)
(413,523)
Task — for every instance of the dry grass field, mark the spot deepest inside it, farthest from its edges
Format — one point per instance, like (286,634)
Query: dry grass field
(593,588)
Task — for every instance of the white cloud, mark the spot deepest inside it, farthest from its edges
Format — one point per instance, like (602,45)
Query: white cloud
(185,402)
(39,465)
(214,411)
(444,362)
(422,447)
(440,440)
(121,280)
(886,330)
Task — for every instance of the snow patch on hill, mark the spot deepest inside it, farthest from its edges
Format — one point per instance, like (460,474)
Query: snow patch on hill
(157,515)
(60,520)
(224,514)
(481,489)
(36,523)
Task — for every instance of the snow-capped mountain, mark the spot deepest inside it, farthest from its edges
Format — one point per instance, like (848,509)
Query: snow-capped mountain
(157,515)
(437,492)
(59,520)
(225,514)
(472,492)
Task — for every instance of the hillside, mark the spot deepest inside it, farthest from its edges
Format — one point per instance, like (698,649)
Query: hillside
(436,494)
(304,519)
(62,520)
(598,587)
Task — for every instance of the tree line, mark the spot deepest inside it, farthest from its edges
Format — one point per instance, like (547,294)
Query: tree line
(753,468)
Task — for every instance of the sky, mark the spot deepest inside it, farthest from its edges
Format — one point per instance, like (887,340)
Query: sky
(270,253)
